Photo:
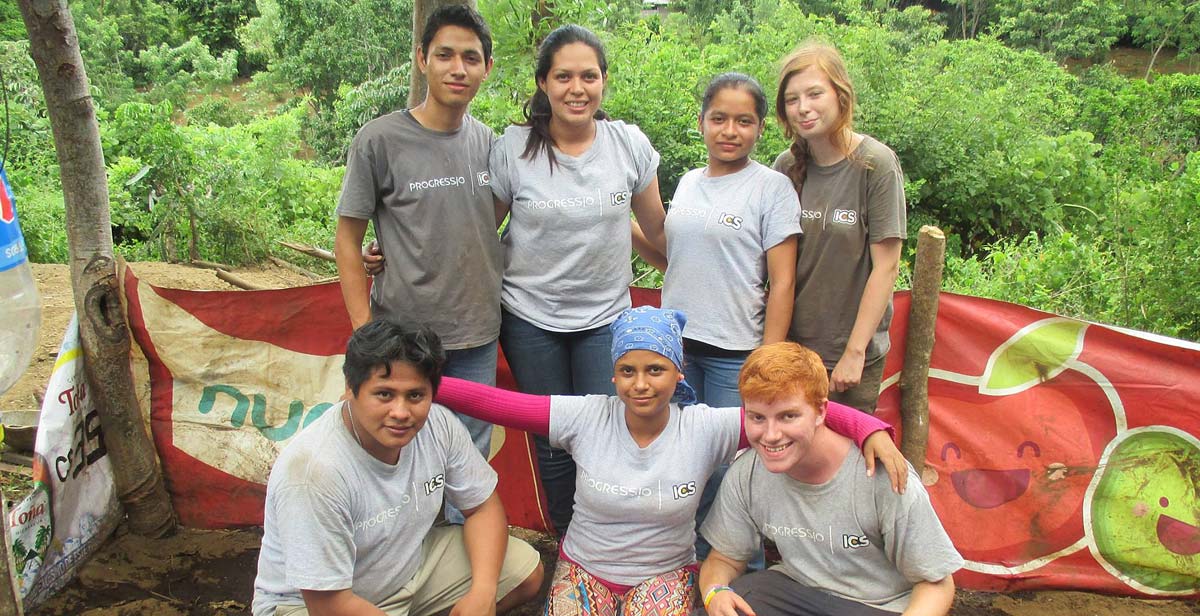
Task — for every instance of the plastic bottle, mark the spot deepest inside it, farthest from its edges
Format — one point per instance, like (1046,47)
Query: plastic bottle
(20,306)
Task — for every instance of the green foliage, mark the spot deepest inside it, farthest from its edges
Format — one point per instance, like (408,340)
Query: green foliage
(12,26)
(358,105)
(140,24)
(24,123)
(1074,195)
(216,22)
(322,44)
(219,111)
(1061,273)
(176,71)
(1064,28)
(1174,23)
(43,217)
(1134,268)
(216,193)
(257,35)
(973,120)
(1147,129)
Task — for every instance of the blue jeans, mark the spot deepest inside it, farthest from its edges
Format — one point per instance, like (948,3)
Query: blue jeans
(557,363)
(715,380)
(476,364)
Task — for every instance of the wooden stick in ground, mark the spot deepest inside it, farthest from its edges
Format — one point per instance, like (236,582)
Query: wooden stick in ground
(208,264)
(922,316)
(311,251)
(10,599)
(238,281)
(103,332)
(295,268)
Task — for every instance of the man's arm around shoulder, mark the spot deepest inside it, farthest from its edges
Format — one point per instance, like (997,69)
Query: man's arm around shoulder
(347,248)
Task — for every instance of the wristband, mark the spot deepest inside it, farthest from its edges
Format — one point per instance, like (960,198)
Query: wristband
(712,592)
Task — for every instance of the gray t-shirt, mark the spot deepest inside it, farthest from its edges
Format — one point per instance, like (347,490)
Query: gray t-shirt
(427,193)
(635,509)
(718,233)
(845,208)
(851,536)
(337,518)
(567,244)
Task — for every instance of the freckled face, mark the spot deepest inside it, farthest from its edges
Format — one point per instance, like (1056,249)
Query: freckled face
(811,104)
(782,430)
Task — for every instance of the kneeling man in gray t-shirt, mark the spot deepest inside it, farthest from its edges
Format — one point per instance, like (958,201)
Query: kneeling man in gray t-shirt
(849,545)
(351,502)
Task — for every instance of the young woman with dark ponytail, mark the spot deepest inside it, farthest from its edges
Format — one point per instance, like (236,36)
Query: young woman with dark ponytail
(732,229)
(568,178)
(853,214)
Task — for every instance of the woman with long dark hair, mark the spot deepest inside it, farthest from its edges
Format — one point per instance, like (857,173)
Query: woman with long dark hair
(568,179)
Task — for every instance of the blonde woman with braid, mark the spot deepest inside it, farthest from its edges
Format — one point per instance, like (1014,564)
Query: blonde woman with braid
(853,215)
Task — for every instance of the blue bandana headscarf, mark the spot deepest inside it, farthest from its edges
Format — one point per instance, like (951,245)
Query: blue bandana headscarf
(653,329)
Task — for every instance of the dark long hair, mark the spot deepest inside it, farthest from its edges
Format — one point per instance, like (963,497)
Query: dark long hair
(735,81)
(537,110)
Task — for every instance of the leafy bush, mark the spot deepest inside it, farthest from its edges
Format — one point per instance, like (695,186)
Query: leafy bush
(330,133)
(1146,128)
(322,44)
(216,193)
(1064,28)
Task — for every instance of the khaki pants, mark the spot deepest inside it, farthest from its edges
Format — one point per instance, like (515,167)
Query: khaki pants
(445,575)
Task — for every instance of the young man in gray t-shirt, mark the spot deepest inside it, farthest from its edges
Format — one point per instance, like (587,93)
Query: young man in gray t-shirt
(849,545)
(421,177)
(352,501)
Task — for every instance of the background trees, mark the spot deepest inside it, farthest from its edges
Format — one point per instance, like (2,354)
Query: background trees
(225,124)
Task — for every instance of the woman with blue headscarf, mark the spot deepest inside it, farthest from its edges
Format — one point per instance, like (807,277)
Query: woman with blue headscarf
(644,456)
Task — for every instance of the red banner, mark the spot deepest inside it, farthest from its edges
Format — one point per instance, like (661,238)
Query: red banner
(234,375)
(1062,454)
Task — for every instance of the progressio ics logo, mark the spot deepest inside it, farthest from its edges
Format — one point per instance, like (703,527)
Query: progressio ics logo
(845,217)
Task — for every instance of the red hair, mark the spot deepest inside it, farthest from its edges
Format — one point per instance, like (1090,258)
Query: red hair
(783,369)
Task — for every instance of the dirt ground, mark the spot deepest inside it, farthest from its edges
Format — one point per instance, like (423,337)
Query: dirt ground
(211,573)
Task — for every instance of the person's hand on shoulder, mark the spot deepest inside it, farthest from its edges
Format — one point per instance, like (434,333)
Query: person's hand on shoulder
(879,445)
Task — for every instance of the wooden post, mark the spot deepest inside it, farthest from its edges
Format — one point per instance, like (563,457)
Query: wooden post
(922,316)
(420,12)
(103,332)
(10,599)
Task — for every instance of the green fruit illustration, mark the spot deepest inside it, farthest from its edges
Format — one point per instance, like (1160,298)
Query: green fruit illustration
(1145,511)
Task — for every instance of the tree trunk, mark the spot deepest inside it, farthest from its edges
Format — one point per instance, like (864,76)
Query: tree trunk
(1157,49)
(922,316)
(420,12)
(10,599)
(103,332)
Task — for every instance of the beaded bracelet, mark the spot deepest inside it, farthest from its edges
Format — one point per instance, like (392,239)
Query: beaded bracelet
(712,592)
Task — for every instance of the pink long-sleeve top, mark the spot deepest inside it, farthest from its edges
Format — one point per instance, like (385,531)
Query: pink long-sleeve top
(531,413)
